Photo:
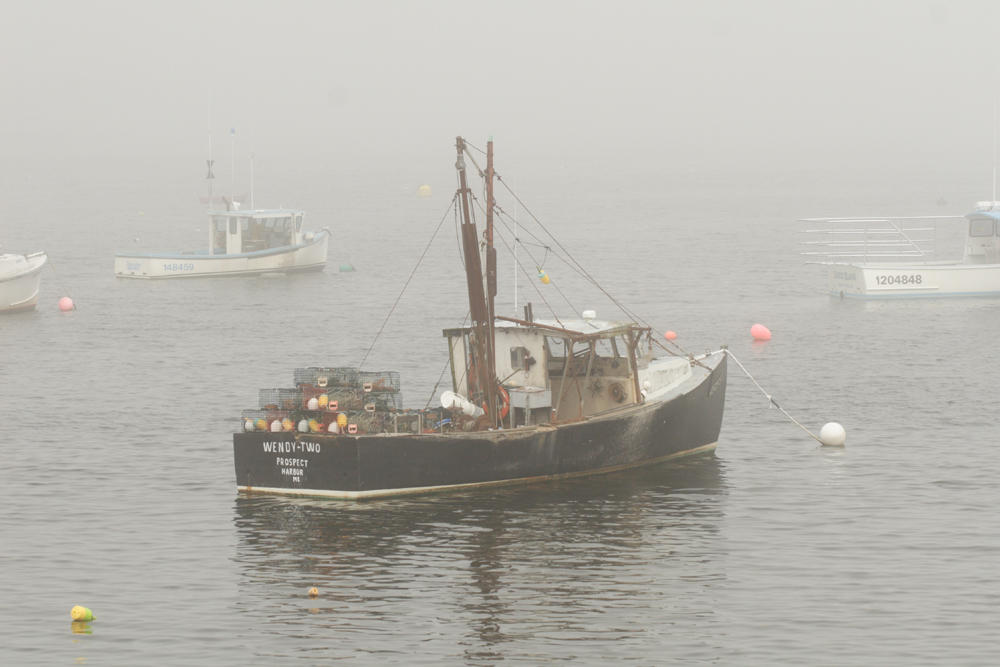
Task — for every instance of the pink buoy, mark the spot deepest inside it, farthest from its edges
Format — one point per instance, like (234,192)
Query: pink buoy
(760,332)
(66,304)
(670,335)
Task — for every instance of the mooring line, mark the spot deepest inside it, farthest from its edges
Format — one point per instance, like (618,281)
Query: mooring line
(770,398)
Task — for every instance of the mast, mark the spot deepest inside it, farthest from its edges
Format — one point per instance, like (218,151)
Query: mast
(480,309)
(211,180)
(491,258)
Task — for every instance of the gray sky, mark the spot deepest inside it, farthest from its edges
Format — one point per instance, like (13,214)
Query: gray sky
(685,82)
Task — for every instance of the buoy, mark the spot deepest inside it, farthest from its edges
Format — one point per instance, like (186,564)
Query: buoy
(287,424)
(314,426)
(590,314)
(670,335)
(544,277)
(342,420)
(760,332)
(833,435)
(66,304)
(260,425)
(314,592)
(312,404)
(333,427)
(248,425)
(424,191)
(346,268)
(322,401)
(303,426)
(276,426)
(79,613)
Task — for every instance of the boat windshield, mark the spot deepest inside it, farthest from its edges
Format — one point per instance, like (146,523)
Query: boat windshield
(980,227)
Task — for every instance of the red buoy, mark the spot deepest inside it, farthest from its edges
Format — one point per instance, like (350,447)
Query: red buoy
(760,332)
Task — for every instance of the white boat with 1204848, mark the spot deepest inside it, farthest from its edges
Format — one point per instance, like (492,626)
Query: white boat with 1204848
(20,276)
(892,257)
(240,243)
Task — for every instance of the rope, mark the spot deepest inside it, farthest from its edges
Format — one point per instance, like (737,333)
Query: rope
(770,399)
(407,283)
(578,268)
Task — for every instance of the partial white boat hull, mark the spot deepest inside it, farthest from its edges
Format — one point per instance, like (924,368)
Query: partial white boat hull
(20,278)
(913,280)
(308,256)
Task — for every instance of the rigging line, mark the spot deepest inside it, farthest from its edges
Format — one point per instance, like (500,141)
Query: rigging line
(446,364)
(578,268)
(561,246)
(569,303)
(771,400)
(405,285)
(498,232)
(531,281)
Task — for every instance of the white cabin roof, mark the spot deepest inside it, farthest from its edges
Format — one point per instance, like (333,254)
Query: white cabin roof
(260,213)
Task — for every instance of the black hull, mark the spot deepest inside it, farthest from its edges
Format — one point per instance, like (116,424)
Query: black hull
(366,466)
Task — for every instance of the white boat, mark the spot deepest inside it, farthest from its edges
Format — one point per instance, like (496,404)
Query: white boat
(20,276)
(892,257)
(240,243)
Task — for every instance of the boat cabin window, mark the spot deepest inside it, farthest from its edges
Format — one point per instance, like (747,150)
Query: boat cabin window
(264,233)
(556,346)
(980,228)
(219,234)
(232,225)
(520,358)
(298,223)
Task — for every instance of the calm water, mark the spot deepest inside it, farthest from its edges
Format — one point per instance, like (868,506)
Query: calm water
(117,485)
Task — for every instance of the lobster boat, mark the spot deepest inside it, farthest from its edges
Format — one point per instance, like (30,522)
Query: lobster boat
(530,399)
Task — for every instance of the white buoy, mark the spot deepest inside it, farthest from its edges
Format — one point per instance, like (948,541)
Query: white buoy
(833,435)
(248,425)
(312,403)
(303,426)
(276,426)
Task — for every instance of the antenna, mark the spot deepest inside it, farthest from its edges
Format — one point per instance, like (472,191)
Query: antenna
(232,164)
(514,271)
(252,207)
(994,149)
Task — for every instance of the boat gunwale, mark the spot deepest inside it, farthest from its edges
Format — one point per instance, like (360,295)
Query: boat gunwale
(188,256)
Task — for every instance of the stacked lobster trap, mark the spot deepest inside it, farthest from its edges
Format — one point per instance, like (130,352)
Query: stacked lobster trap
(339,401)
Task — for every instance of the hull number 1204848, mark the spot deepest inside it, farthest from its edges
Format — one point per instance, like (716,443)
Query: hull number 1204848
(914,279)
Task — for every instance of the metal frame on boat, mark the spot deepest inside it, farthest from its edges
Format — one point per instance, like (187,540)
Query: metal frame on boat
(894,257)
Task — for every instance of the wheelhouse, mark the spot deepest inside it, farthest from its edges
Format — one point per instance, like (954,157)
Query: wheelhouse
(237,232)
(556,371)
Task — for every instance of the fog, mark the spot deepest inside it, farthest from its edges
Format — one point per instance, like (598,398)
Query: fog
(726,84)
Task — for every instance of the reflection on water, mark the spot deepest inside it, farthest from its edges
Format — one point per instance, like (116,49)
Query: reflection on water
(485,561)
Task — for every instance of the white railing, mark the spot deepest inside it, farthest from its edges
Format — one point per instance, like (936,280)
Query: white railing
(872,238)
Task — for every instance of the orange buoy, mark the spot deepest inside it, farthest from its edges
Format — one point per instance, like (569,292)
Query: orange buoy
(760,332)
(670,335)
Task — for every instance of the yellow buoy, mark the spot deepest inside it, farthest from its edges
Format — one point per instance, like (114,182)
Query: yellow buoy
(79,613)
(287,424)
(260,424)
(424,191)
(342,420)
(314,426)
(313,592)
(544,277)
(323,400)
